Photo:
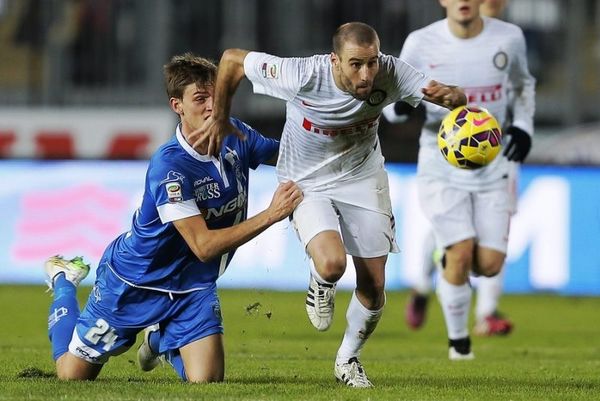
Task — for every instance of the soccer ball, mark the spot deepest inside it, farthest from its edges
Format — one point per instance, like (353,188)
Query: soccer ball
(469,137)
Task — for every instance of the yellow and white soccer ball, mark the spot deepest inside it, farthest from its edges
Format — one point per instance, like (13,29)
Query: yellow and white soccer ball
(469,137)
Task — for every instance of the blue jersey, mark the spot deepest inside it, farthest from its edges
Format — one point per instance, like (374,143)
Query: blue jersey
(182,183)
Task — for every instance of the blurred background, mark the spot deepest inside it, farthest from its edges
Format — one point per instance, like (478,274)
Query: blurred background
(81,82)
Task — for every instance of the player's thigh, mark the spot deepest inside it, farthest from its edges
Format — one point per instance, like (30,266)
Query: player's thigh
(204,359)
(194,316)
(449,210)
(492,212)
(314,215)
(111,318)
(365,216)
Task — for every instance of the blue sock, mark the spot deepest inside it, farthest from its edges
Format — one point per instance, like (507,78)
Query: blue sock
(64,312)
(154,341)
(175,360)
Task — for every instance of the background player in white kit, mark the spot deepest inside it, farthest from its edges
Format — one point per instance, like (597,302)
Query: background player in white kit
(488,320)
(470,209)
(331,149)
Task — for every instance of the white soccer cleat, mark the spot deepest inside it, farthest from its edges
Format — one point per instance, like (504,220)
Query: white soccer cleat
(454,355)
(320,303)
(75,269)
(352,373)
(148,359)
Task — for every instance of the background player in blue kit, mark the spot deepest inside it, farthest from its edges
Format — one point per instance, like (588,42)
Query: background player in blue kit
(163,271)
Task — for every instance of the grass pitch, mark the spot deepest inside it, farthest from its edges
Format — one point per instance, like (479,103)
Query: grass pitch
(273,353)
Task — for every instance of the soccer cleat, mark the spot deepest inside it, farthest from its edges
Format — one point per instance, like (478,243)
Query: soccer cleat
(320,303)
(75,269)
(416,310)
(352,373)
(460,350)
(148,359)
(493,325)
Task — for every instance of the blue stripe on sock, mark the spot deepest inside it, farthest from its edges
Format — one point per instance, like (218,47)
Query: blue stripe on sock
(63,315)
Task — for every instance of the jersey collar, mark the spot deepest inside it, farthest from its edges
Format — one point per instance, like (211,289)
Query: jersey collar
(186,146)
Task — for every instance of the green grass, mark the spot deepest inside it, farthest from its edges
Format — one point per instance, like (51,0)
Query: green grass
(272,353)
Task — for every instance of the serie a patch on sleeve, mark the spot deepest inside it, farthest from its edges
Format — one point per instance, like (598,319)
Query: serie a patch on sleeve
(174,192)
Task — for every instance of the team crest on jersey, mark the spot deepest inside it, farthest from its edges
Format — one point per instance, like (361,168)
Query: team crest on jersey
(376,97)
(174,192)
(270,70)
(500,60)
(173,176)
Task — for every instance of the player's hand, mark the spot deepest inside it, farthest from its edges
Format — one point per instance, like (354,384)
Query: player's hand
(444,95)
(517,145)
(287,196)
(209,137)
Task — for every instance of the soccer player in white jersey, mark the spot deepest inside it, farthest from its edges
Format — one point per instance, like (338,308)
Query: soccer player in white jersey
(331,149)
(488,320)
(162,273)
(470,209)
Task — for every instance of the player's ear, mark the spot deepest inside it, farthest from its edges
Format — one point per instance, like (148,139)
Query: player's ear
(176,105)
(334,59)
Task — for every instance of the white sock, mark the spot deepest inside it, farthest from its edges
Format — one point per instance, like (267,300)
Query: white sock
(489,290)
(317,276)
(456,302)
(361,323)
(422,284)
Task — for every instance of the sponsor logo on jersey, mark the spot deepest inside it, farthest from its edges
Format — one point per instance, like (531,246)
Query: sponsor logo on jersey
(357,128)
(270,70)
(483,94)
(173,176)
(232,206)
(174,192)
(203,181)
(207,191)
(376,97)
(500,60)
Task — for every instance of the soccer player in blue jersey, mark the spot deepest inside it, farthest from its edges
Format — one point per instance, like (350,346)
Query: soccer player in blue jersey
(162,272)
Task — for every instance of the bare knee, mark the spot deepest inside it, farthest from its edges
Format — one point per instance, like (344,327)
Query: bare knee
(331,267)
(489,268)
(458,263)
(70,367)
(199,379)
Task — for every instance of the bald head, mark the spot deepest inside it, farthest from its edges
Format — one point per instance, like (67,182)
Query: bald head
(357,33)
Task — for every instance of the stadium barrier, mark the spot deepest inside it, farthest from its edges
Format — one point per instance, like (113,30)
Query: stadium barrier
(78,207)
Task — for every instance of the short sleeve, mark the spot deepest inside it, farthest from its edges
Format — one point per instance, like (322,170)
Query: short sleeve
(276,76)
(172,192)
(260,148)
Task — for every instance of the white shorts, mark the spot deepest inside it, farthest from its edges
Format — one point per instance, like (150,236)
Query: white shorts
(361,210)
(457,215)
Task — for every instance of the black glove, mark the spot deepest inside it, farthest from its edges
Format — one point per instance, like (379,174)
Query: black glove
(404,109)
(517,145)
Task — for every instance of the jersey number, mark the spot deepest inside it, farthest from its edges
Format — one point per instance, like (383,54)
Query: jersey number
(102,332)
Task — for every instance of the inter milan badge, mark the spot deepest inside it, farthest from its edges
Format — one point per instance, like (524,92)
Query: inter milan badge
(500,60)
(376,97)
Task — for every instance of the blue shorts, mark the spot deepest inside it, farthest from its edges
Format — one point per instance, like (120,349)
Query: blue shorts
(115,312)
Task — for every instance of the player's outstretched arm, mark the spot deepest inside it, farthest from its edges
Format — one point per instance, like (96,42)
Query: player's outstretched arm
(208,244)
(217,126)
(443,95)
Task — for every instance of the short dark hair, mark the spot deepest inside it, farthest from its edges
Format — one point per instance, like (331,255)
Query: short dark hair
(185,69)
(355,32)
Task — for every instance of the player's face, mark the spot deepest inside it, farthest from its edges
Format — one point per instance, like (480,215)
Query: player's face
(355,69)
(462,11)
(195,106)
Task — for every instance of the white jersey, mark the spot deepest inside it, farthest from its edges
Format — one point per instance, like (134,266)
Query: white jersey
(485,67)
(328,134)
